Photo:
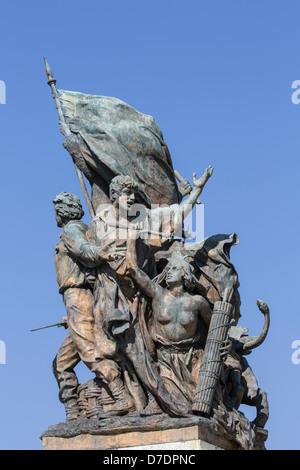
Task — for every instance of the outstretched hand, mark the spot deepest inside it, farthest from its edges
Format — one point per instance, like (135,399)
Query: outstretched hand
(110,254)
(185,187)
(64,322)
(199,183)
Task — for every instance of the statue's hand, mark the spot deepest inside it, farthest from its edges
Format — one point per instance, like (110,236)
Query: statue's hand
(64,322)
(110,254)
(199,183)
(116,254)
(185,187)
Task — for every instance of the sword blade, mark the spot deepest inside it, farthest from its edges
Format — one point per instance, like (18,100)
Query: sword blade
(49,326)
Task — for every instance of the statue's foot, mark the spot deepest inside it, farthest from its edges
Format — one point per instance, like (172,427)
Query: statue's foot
(120,408)
(151,409)
(123,401)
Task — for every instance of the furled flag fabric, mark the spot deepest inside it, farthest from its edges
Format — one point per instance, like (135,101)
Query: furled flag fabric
(111,138)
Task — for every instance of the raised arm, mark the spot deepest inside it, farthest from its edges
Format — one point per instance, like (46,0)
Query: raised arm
(188,204)
(144,282)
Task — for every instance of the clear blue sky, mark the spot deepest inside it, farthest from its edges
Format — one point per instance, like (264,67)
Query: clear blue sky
(217,77)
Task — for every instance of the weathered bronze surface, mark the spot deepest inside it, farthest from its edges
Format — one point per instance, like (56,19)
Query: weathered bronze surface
(153,317)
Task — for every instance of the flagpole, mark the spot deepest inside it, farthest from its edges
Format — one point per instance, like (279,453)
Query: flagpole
(52,84)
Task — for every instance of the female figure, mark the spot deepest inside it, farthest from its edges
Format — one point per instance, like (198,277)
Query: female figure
(178,323)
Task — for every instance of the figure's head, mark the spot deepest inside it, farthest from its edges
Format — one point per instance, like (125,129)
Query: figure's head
(179,271)
(122,190)
(67,207)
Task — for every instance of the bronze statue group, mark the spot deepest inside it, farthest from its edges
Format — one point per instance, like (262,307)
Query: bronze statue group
(139,306)
(154,317)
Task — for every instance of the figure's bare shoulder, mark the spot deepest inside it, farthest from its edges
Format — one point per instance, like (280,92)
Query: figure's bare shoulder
(203,308)
(201,301)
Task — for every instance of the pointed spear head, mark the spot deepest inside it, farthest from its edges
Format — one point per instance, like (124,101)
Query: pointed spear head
(49,73)
(67,132)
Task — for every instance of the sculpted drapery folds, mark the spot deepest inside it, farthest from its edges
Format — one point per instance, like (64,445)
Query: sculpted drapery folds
(110,138)
(115,291)
(139,298)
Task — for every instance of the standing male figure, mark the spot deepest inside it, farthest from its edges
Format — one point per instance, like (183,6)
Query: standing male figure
(115,292)
(117,298)
(75,259)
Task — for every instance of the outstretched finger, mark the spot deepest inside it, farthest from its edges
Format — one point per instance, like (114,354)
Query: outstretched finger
(210,170)
(120,254)
(109,243)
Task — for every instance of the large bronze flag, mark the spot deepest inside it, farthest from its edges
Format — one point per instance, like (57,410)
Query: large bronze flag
(109,138)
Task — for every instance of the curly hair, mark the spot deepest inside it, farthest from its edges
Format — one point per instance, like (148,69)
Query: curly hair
(118,184)
(68,205)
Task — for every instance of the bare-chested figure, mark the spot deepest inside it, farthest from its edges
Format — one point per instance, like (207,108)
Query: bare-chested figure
(114,288)
(178,323)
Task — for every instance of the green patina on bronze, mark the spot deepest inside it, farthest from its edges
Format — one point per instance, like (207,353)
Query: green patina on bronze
(154,318)
(118,140)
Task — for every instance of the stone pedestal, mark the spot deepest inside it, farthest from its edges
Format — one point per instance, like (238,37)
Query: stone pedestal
(137,433)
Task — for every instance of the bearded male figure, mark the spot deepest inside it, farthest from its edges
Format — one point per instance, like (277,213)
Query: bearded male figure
(75,261)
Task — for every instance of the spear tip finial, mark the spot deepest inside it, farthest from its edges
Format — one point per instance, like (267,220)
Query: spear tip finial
(48,70)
